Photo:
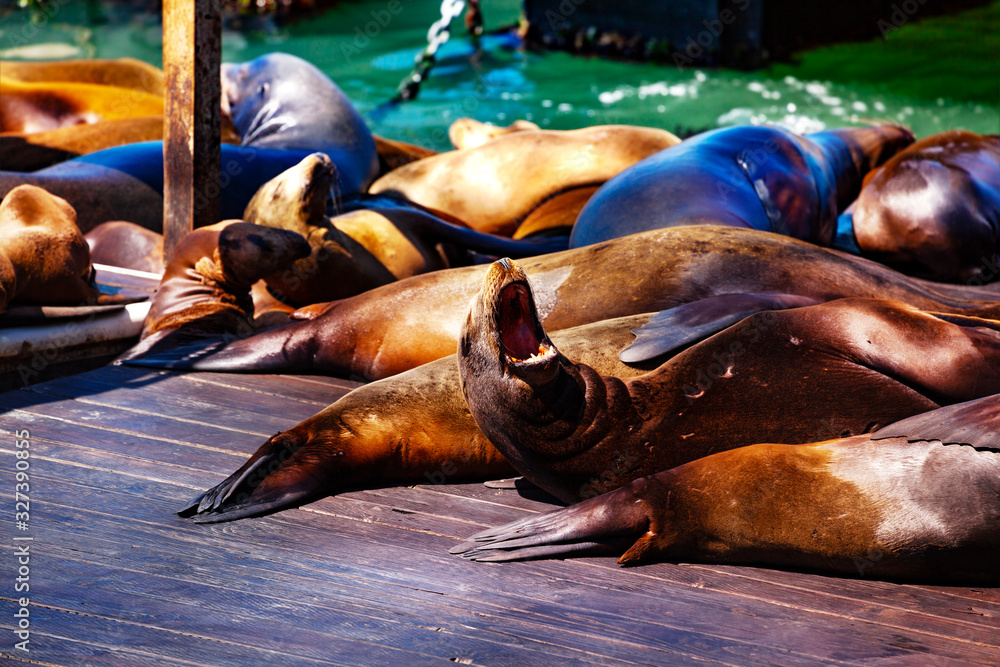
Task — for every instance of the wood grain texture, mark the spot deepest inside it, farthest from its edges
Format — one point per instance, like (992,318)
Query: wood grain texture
(192,52)
(364,577)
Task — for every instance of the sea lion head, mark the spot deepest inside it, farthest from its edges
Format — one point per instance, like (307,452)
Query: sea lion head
(296,198)
(45,249)
(502,333)
(249,252)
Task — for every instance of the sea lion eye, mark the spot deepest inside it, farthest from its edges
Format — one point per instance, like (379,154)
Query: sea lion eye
(264,87)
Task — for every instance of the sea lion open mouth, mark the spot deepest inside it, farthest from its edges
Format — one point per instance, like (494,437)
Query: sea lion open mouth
(523,343)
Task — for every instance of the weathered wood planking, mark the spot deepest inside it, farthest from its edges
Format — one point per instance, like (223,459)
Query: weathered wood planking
(364,577)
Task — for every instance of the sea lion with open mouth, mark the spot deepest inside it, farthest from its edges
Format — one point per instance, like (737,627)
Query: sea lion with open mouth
(834,369)
(412,427)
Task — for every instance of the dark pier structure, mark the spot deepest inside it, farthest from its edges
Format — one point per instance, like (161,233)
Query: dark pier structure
(726,33)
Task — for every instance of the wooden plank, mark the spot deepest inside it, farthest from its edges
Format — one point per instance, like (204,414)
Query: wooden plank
(505,573)
(181,400)
(192,48)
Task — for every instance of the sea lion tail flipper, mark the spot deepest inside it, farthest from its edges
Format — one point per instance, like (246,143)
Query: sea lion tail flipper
(269,351)
(975,423)
(591,527)
(270,481)
(689,323)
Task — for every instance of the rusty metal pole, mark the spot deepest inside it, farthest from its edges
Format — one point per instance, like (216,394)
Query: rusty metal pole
(192,50)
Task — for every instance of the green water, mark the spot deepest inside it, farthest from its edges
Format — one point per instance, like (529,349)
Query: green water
(932,74)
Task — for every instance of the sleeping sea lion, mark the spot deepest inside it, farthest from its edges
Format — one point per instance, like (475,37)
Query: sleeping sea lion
(834,369)
(44,259)
(493,188)
(119,72)
(469,133)
(915,500)
(126,244)
(381,240)
(405,429)
(409,322)
(35,107)
(206,286)
(764,178)
(279,125)
(934,209)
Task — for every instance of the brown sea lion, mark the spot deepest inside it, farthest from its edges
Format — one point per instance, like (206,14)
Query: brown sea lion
(916,500)
(409,428)
(381,241)
(410,322)
(764,178)
(126,244)
(469,133)
(934,209)
(393,154)
(44,258)
(278,124)
(206,286)
(492,188)
(36,107)
(120,72)
(838,368)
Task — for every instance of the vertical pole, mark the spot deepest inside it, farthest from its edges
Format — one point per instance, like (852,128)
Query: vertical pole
(192,49)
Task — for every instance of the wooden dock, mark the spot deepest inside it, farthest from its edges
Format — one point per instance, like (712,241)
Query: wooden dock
(364,578)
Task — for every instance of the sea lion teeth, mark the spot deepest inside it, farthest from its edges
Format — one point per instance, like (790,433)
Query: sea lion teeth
(833,369)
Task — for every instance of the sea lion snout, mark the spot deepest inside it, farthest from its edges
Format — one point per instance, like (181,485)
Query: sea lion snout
(250,252)
(509,321)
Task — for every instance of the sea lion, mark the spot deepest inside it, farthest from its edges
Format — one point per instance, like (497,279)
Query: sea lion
(126,244)
(409,428)
(380,241)
(119,72)
(492,188)
(916,500)
(44,259)
(469,133)
(839,368)
(933,209)
(409,322)
(279,125)
(764,178)
(393,154)
(206,285)
(38,150)
(36,107)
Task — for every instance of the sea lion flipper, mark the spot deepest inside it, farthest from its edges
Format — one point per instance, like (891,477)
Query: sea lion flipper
(689,323)
(218,354)
(605,524)
(273,479)
(975,423)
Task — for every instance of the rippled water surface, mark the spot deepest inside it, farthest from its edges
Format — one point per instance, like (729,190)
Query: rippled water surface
(932,74)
